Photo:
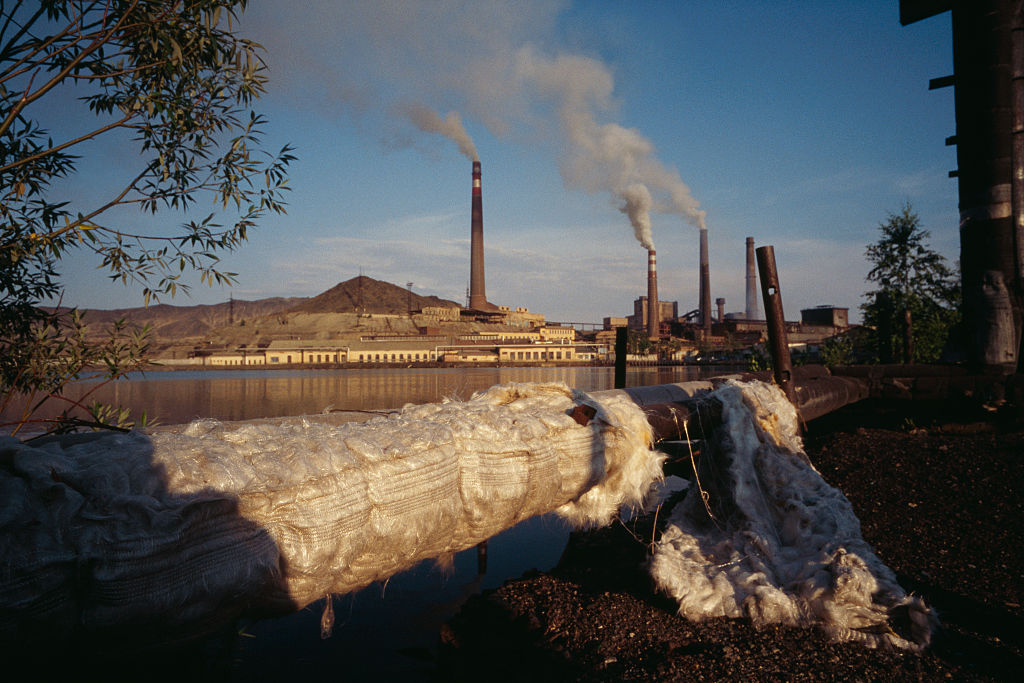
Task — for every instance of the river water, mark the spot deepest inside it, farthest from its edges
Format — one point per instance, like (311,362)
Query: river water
(179,396)
(386,631)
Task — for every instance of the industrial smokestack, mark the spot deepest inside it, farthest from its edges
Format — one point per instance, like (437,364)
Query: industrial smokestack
(720,302)
(477,292)
(705,282)
(653,314)
(751,311)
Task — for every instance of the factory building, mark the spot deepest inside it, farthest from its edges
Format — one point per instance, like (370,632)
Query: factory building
(668,311)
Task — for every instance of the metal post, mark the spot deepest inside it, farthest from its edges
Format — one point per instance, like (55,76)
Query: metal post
(620,357)
(778,344)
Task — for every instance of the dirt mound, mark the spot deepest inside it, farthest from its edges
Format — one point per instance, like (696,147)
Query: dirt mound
(365,295)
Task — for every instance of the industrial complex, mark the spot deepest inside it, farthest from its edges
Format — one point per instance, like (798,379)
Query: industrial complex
(483,332)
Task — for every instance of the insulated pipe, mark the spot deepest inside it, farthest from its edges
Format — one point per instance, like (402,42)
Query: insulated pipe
(675,411)
(187,527)
(146,534)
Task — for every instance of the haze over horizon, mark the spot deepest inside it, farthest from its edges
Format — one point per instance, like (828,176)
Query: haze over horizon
(600,127)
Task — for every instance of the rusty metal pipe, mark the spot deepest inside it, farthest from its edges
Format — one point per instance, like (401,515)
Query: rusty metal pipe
(676,411)
(778,344)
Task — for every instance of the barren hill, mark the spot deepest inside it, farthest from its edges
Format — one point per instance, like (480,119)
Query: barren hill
(241,321)
(178,322)
(365,295)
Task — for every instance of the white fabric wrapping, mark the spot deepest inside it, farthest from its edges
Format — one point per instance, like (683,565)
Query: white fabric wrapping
(201,523)
(760,534)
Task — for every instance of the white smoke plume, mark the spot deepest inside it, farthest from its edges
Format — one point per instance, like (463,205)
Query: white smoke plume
(637,205)
(606,156)
(427,120)
(496,63)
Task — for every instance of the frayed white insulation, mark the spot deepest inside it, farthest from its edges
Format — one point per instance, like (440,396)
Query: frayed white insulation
(181,526)
(760,534)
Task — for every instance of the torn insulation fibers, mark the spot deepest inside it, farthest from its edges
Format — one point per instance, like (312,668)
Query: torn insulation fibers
(213,520)
(761,535)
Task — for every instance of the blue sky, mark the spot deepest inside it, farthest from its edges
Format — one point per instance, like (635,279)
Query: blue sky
(800,124)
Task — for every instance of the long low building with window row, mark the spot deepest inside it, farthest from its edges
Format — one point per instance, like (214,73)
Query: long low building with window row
(395,351)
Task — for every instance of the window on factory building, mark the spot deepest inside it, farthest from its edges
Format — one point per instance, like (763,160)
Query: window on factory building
(289,359)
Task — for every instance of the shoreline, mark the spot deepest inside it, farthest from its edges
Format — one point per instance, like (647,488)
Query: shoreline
(167,367)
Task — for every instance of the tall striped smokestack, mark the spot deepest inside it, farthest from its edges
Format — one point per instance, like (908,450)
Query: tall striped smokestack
(751,312)
(653,312)
(705,282)
(477,292)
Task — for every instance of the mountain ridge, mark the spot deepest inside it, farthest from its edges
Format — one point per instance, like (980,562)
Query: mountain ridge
(171,322)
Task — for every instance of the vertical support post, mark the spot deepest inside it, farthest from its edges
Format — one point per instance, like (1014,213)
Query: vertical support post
(620,357)
(983,66)
(778,344)
(1017,153)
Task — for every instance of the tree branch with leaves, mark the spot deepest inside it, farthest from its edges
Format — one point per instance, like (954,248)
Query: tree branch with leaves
(169,79)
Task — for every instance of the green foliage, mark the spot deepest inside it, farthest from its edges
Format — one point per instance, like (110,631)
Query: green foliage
(638,343)
(910,276)
(60,353)
(668,347)
(837,351)
(759,360)
(165,77)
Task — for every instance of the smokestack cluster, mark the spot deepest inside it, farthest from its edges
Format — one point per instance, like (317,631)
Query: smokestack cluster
(751,311)
(477,291)
(705,282)
(653,314)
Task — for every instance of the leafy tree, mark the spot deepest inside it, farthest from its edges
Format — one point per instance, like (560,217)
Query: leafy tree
(167,79)
(837,350)
(915,286)
(638,343)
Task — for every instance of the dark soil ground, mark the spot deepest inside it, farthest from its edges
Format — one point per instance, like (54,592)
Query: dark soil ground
(938,489)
